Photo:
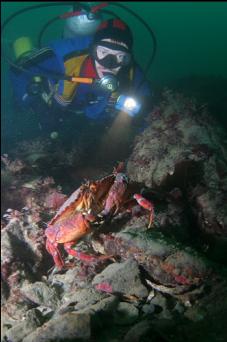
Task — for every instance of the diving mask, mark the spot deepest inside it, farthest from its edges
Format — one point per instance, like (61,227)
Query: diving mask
(111,55)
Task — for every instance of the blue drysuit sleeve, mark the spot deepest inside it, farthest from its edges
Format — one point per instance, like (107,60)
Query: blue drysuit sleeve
(47,62)
(98,108)
(65,47)
(62,47)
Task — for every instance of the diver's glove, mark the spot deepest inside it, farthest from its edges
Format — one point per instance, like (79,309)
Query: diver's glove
(128,104)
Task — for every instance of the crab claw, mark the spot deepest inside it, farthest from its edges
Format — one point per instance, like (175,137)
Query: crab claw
(84,257)
(144,203)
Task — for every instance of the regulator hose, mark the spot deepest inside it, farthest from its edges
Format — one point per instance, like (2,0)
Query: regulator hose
(81,6)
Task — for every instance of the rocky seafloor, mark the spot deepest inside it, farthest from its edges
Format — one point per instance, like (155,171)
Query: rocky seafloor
(166,283)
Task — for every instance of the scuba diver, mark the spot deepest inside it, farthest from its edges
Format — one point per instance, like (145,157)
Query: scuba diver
(85,88)
(94,76)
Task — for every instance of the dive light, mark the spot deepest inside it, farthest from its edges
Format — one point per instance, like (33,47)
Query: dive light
(110,83)
(91,15)
(128,104)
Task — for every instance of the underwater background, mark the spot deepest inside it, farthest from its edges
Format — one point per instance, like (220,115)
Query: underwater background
(143,212)
(191,43)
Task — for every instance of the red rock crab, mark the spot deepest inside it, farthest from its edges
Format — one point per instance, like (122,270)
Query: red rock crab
(72,221)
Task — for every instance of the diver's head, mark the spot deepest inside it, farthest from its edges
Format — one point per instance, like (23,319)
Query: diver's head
(112,46)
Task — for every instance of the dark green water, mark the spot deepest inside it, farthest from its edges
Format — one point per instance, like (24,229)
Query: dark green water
(191,57)
(191,42)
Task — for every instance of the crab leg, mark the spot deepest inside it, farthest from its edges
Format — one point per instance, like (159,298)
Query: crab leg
(151,218)
(54,251)
(79,255)
(83,256)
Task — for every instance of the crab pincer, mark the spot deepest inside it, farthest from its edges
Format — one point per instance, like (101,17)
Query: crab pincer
(144,203)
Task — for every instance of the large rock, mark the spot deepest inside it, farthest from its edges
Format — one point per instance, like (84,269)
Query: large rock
(20,330)
(126,314)
(136,333)
(184,147)
(22,252)
(87,301)
(70,326)
(121,278)
(170,267)
(41,294)
(14,311)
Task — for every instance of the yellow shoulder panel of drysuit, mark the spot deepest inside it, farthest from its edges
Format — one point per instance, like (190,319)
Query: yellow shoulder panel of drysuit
(72,68)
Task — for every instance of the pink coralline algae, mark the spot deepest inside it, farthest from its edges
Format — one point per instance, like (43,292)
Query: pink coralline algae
(105,287)
(182,280)
(14,166)
(47,182)
(30,199)
(12,215)
(54,200)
